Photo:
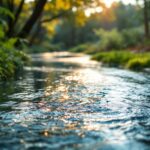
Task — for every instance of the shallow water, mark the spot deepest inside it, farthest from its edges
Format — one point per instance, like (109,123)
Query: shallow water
(65,101)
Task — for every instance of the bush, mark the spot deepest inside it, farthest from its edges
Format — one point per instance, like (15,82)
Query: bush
(43,48)
(109,39)
(132,37)
(88,48)
(138,63)
(125,59)
(113,39)
(113,58)
(10,62)
(79,48)
(10,58)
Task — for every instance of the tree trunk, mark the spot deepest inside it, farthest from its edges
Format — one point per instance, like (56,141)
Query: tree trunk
(1,3)
(17,14)
(10,6)
(35,32)
(33,18)
(146,19)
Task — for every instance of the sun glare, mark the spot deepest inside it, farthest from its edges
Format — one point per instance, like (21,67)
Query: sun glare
(109,2)
(90,11)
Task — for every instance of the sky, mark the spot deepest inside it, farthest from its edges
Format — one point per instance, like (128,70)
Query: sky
(109,2)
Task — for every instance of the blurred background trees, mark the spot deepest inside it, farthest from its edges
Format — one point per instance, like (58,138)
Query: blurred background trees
(75,20)
(89,26)
(147,17)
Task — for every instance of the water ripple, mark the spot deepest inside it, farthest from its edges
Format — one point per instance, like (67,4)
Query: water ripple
(63,104)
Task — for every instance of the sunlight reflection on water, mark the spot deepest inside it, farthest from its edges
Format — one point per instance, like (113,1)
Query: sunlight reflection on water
(62,103)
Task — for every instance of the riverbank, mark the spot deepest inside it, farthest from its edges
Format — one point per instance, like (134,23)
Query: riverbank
(129,59)
(125,59)
(11,61)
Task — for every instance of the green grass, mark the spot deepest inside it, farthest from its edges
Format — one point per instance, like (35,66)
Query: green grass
(80,48)
(138,63)
(87,48)
(124,59)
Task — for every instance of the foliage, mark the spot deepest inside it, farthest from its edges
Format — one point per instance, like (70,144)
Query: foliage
(127,16)
(139,63)
(80,48)
(2,34)
(88,48)
(115,20)
(45,47)
(6,12)
(10,58)
(132,36)
(117,27)
(109,39)
(113,39)
(113,58)
(125,59)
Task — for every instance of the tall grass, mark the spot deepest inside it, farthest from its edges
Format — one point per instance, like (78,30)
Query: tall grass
(124,59)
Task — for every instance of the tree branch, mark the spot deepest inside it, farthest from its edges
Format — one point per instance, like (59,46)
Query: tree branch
(33,18)
(61,14)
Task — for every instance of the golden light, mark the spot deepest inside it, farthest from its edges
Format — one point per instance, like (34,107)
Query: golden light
(108,3)
(90,11)
(46,133)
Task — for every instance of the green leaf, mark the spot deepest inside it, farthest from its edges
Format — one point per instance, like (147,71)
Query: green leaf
(6,12)
(2,34)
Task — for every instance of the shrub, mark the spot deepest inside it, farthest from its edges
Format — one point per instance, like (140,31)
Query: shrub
(79,48)
(113,39)
(10,61)
(10,58)
(138,63)
(132,37)
(43,48)
(109,39)
(126,59)
(113,58)
(88,48)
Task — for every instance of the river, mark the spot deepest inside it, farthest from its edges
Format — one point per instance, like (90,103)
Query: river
(65,101)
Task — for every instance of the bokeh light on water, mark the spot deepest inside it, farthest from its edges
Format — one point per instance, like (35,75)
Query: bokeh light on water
(66,101)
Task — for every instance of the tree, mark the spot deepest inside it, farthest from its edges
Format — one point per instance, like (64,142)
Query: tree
(39,7)
(146,18)
(1,3)
(57,9)
(16,18)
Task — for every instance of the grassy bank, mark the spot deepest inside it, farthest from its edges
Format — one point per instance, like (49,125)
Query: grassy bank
(112,46)
(11,60)
(126,59)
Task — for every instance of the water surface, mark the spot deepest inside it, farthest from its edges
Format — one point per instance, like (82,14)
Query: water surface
(65,101)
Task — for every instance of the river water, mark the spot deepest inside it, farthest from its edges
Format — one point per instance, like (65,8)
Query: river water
(65,101)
